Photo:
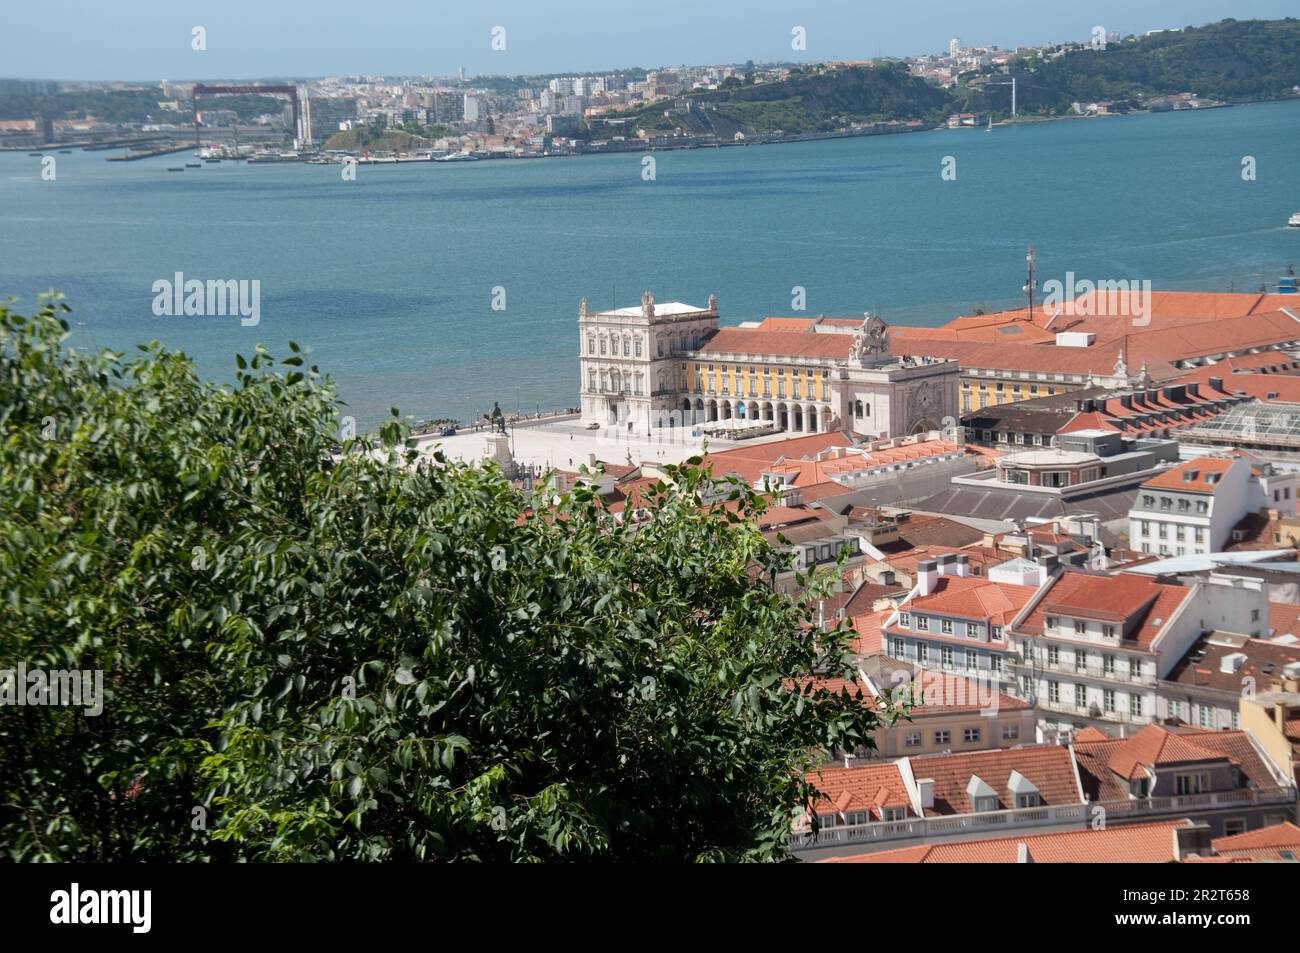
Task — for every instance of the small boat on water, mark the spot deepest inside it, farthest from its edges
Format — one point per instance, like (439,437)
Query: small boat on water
(462,156)
(194,165)
(65,152)
(1294,221)
(990,125)
(175,168)
(36,153)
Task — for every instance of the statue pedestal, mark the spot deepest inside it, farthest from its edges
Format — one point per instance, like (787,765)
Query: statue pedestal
(498,449)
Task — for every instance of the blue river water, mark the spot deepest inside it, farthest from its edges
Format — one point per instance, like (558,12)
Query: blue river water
(391,279)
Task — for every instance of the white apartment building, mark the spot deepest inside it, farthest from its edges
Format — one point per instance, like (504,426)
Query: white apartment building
(1094,650)
(1191,509)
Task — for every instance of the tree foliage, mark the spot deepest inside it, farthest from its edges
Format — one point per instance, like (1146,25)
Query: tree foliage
(370,655)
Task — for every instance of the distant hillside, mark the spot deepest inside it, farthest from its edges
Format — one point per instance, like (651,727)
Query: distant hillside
(376,139)
(806,102)
(132,105)
(1233,61)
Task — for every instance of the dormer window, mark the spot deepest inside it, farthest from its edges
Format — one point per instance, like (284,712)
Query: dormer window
(1023,791)
(982,796)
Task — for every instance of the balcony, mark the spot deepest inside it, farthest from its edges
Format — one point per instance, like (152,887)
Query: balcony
(1065,816)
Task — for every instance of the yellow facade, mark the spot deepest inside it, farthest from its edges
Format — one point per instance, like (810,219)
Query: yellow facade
(775,381)
(978,392)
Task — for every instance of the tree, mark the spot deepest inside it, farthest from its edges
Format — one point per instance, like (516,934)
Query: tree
(373,655)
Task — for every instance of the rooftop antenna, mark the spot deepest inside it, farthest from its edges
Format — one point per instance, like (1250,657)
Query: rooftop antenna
(1030,283)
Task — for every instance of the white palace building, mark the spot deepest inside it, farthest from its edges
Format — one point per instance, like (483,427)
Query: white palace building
(671,365)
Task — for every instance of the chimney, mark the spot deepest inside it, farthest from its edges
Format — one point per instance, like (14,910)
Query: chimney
(1216,383)
(1194,388)
(1022,854)
(927,576)
(962,564)
(887,578)
(947,564)
(1279,716)
(1192,840)
(926,788)
(1231,663)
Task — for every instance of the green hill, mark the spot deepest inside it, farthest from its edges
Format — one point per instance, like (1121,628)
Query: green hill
(806,102)
(1232,60)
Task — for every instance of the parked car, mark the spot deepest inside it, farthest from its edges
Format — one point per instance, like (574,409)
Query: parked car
(447,432)
(593,426)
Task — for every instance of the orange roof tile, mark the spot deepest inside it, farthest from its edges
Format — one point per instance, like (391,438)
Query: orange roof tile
(1151,843)
(1267,843)
(1048,767)
(1201,475)
(869,786)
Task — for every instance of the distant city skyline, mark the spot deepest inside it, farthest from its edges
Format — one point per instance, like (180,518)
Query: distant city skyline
(81,40)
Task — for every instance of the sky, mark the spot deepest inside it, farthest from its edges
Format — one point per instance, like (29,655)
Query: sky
(248,39)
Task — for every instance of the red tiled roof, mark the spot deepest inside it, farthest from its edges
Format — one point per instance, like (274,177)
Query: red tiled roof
(1102,783)
(1267,843)
(1110,599)
(974,597)
(1151,843)
(871,786)
(867,626)
(1154,745)
(1191,476)
(1048,767)
(752,341)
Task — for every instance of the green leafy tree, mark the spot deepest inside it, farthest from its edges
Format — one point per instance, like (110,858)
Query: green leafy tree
(374,655)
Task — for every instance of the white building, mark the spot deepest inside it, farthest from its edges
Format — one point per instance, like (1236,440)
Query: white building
(1094,650)
(670,365)
(471,108)
(1191,509)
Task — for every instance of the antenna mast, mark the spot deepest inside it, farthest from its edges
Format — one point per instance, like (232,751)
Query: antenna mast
(1030,283)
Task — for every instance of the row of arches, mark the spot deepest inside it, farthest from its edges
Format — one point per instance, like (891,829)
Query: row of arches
(786,415)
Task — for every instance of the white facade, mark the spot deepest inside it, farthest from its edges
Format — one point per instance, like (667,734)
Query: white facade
(1169,521)
(635,367)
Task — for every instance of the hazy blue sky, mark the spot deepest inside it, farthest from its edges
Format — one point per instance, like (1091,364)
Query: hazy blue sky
(149,39)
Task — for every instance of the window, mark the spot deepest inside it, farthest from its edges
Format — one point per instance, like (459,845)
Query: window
(986,803)
(1080,627)
(997,633)
(602,345)
(970,735)
(1050,622)
(943,736)
(972,630)
(1135,705)
(1010,732)
(899,647)
(972,661)
(912,739)
(1080,660)
(1027,800)
(922,652)
(1054,691)
(1108,665)
(946,652)
(1234,825)
(945,626)
(1197,783)
(922,623)
(995,663)
(1108,699)
(1108,631)
(638,347)
(895,813)
(627,350)
(1053,655)
(905,619)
